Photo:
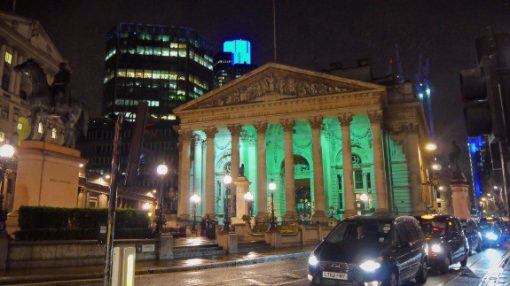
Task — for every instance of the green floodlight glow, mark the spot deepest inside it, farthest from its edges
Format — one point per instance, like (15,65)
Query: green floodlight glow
(334,186)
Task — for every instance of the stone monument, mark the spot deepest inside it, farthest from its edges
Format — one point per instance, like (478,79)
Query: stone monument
(459,186)
(48,166)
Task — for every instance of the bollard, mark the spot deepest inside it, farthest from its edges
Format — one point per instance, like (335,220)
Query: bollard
(123,271)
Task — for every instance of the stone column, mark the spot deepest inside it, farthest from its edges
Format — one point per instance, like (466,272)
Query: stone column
(412,154)
(235,131)
(290,189)
(318,175)
(380,184)
(261,170)
(184,165)
(209,171)
(345,123)
(2,61)
(12,79)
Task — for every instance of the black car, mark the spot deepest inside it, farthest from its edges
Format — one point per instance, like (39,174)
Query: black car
(370,250)
(473,235)
(446,242)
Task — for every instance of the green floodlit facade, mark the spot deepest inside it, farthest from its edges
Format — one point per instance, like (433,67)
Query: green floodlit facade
(362,154)
(273,93)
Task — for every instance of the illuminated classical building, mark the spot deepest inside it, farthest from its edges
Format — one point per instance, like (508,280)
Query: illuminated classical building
(163,65)
(332,145)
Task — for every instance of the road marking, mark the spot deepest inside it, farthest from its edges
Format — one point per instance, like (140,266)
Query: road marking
(256,282)
(494,272)
(291,282)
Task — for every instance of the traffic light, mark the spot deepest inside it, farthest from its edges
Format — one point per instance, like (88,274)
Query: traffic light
(486,88)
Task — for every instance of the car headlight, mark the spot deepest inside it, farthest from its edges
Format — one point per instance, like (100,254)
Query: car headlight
(436,248)
(370,265)
(491,235)
(312,260)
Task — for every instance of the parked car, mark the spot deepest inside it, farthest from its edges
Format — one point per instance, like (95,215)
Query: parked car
(370,249)
(473,235)
(446,242)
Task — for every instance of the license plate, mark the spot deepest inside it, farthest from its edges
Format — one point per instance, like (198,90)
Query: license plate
(334,275)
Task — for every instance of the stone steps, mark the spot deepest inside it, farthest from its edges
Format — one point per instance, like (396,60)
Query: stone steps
(181,252)
(256,246)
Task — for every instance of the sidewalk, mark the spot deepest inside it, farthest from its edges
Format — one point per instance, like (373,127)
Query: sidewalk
(19,276)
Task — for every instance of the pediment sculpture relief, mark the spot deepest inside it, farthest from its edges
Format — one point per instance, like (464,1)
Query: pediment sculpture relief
(276,86)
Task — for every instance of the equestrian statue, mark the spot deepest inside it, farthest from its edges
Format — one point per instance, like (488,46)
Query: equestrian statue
(53,105)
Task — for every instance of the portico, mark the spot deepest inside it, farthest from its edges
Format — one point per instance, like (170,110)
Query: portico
(319,137)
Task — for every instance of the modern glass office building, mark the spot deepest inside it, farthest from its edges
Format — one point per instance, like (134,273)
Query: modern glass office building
(162,65)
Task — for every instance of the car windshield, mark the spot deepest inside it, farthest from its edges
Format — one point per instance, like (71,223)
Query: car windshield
(433,227)
(361,231)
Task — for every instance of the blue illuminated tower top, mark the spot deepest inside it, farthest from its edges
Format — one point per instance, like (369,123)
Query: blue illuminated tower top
(240,49)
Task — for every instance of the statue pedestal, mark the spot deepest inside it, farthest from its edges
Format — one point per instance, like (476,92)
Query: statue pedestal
(47,175)
(242,186)
(460,200)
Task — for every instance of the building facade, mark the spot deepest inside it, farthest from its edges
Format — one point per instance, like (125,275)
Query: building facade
(233,62)
(332,146)
(165,66)
(21,39)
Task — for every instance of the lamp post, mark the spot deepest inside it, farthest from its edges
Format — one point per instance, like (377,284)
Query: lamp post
(6,153)
(248,197)
(272,188)
(195,199)
(161,170)
(227,180)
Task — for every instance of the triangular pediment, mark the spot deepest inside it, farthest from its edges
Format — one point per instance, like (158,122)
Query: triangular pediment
(275,82)
(32,31)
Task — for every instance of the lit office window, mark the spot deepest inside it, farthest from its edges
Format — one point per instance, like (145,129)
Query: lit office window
(139,73)
(139,50)
(148,51)
(147,74)
(2,136)
(40,128)
(165,52)
(156,74)
(8,57)
(165,38)
(54,133)
(130,73)
(157,51)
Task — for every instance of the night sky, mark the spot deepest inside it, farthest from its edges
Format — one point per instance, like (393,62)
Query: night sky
(311,34)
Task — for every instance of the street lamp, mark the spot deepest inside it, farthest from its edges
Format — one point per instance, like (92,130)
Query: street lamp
(227,180)
(6,153)
(272,188)
(161,170)
(431,146)
(364,199)
(436,166)
(248,197)
(195,199)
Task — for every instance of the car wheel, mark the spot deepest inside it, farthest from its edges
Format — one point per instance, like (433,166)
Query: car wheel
(421,276)
(392,280)
(479,247)
(445,265)
(465,260)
